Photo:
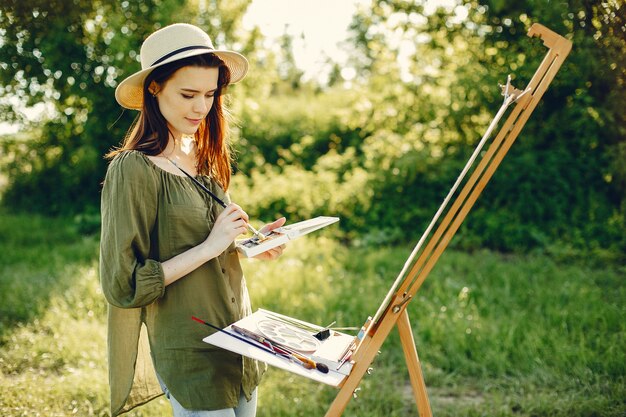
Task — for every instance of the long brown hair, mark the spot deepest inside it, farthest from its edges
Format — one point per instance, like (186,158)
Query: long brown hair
(149,132)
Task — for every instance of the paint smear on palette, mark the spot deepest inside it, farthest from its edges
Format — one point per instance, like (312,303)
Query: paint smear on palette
(289,336)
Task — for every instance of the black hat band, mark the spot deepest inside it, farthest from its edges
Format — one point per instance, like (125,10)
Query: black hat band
(186,48)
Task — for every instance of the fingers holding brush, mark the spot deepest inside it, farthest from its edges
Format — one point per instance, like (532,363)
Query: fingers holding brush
(238,213)
(230,223)
(234,211)
(232,220)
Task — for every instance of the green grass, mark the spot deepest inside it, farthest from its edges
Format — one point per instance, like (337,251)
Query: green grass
(497,335)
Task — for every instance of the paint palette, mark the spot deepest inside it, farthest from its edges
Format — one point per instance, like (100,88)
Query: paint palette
(289,336)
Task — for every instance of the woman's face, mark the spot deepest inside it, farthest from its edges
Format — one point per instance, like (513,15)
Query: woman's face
(186,98)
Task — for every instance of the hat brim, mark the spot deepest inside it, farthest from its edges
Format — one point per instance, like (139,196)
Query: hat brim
(129,92)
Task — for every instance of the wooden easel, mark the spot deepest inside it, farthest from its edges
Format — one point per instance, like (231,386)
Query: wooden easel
(393,311)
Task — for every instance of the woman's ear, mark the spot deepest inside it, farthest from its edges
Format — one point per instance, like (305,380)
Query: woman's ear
(153,88)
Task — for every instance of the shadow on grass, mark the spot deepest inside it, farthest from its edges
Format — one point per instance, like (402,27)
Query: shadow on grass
(39,258)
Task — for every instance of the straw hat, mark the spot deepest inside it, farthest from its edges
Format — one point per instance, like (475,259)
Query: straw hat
(169,44)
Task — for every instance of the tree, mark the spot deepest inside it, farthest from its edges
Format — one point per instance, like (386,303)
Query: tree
(561,180)
(71,55)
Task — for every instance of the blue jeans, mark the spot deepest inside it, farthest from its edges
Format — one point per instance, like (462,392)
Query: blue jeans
(244,408)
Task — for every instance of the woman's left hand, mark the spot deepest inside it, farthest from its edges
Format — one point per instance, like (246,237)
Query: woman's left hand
(273,253)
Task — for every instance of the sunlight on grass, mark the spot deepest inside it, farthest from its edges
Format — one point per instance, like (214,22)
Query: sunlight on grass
(56,364)
(504,336)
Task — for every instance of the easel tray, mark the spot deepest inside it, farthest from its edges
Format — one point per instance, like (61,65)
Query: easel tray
(329,351)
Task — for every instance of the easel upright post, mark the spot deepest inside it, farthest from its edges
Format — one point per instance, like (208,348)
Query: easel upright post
(413,364)
(394,313)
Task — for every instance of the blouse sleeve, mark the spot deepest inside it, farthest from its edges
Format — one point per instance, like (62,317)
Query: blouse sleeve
(129,278)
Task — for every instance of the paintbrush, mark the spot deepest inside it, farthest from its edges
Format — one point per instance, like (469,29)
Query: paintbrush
(263,347)
(307,362)
(219,201)
(320,333)
(268,347)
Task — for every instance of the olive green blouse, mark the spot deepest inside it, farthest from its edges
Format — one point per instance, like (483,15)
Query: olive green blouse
(148,216)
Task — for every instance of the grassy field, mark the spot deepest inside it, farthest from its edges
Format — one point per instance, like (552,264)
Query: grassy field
(497,335)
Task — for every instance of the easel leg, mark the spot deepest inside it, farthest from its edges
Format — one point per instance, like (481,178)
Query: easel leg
(363,360)
(413,364)
(352,382)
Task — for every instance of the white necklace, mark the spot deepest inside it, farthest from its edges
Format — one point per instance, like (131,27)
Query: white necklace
(187,144)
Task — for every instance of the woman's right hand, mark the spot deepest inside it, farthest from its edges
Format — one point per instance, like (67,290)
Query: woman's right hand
(230,223)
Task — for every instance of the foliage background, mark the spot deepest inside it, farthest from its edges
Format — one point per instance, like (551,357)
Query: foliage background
(380,150)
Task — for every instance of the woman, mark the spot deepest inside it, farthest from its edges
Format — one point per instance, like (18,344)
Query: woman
(167,249)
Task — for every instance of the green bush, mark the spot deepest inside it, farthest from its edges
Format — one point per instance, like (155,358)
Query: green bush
(383,151)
